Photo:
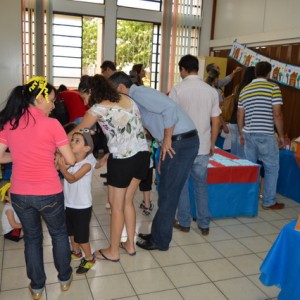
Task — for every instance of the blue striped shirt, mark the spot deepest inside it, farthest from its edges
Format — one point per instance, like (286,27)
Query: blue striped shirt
(257,100)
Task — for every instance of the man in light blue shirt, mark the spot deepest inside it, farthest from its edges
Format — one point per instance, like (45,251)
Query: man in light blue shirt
(178,137)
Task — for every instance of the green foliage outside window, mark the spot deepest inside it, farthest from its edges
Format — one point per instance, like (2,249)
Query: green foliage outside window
(89,42)
(134,43)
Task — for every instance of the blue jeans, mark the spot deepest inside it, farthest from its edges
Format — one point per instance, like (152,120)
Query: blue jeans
(265,148)
(174,172)
(198,176)
(30,209)
(236,148)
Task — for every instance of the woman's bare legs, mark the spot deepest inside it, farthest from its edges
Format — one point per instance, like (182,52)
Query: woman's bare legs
(116,198)
(130,215)
(122,211)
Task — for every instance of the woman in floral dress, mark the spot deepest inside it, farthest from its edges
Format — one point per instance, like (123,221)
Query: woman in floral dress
(128,161)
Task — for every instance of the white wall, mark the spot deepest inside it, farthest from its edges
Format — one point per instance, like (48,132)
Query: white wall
(11,47)
(256,22)
(207,6)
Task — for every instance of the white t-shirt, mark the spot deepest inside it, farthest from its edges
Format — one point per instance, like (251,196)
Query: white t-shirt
(4,220)
(201,102)
(78,194)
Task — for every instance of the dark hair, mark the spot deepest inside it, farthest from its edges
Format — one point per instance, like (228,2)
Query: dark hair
(137,69)
(189,62)
(210,67)
(61,88)
(248,76)
(102,89)
(212,75)
(108,64)
(85,84)
(262,69)
(69,127)
(20,98)
(120,77)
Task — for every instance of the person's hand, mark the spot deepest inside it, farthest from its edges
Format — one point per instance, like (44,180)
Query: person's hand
(62,164)
(225,128)
(281,142)
(238,69)
(102,162)
(166,148)
(212,150)
(242,140)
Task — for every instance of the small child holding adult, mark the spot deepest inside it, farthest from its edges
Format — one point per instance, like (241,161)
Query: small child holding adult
(11,225)
(78,197)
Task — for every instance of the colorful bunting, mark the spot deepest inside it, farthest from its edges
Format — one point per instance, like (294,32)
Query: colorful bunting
(281,72)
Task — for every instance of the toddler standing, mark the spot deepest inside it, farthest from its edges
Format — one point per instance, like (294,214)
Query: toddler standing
(78,197)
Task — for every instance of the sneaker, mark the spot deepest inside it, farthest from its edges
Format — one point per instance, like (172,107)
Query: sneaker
(85,265)
(142,206)
(76,256)
(107,205)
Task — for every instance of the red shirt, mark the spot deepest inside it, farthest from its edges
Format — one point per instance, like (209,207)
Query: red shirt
(74,104)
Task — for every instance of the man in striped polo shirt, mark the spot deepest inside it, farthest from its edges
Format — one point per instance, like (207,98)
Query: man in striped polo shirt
(259,109)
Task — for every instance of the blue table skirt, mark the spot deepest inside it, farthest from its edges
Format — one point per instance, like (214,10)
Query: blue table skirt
(229,200)
(289,176)
(226,200)
(281,266)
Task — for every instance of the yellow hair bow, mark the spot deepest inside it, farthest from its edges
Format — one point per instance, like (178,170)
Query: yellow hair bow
(4,190)
(41,83)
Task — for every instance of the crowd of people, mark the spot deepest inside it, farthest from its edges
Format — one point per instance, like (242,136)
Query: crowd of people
(129,116)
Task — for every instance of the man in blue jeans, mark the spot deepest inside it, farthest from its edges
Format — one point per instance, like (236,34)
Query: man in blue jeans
(201,102)
(178,137)
(259,109)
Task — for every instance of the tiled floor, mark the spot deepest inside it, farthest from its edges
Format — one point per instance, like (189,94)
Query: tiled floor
(223,265)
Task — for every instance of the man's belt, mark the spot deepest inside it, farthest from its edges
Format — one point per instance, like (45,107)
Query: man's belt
(185,135)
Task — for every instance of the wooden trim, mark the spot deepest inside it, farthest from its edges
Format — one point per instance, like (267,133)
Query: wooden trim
(213,20)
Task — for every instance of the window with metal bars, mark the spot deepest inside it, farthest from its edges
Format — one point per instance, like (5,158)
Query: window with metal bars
(186,37)
(28,44)
(75,46)
(139,43)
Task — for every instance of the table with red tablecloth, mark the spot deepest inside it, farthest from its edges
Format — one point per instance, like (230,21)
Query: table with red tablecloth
(233,186)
